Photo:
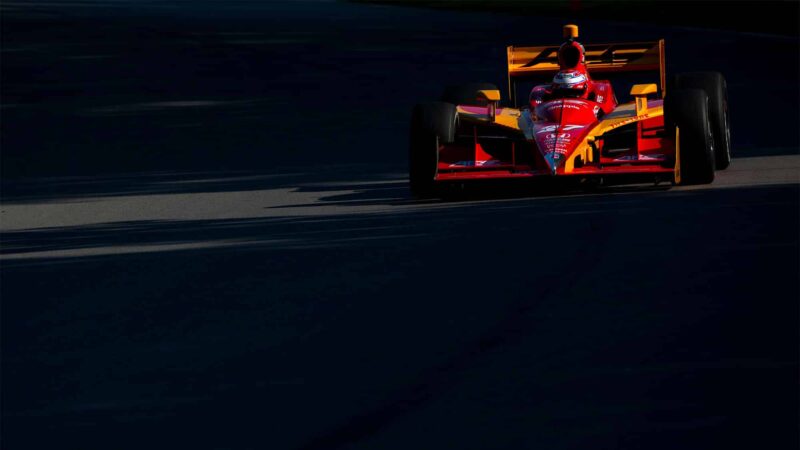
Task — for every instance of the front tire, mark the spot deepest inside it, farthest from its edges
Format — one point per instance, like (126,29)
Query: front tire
(432,124)
(687,109)
(713,83)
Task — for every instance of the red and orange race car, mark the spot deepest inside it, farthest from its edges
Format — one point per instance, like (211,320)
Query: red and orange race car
(571,125)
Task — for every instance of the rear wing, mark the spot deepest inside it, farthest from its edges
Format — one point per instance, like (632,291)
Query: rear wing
(526,63)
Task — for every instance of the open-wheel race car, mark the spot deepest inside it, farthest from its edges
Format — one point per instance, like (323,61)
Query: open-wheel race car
(571,126)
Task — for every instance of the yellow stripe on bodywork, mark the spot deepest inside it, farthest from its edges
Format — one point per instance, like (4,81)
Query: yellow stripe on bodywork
(623,115)
(507,117)
(583,150)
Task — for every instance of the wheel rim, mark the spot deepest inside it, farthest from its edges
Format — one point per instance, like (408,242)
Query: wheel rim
(710,136)
(711,143)
(727,130)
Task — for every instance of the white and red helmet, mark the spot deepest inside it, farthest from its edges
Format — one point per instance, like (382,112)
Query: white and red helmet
(571,83)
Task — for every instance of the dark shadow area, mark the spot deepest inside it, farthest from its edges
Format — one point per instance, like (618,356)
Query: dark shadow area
(303,178)
(653,320)
(120,88)
(775,151)
(771,16)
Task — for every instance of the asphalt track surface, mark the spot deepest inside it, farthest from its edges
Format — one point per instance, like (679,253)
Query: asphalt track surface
(208,242)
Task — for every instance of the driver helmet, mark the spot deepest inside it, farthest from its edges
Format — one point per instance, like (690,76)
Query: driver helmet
(569,83)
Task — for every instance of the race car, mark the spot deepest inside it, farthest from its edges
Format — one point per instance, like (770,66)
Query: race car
(571,126)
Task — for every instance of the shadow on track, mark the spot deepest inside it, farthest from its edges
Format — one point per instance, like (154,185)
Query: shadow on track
(79,188)
(334,327)
(497,200)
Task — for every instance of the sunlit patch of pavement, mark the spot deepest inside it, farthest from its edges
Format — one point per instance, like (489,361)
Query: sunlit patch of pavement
(96,225)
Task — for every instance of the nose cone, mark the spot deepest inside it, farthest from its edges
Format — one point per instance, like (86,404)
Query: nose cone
(563,125)
(554,144)
(553,161)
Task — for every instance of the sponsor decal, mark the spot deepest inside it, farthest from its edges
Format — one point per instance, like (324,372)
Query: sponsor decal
(556,153)
(558,143)
(559,105)
(600,99)
(552,128)
(553,136)
(627,121)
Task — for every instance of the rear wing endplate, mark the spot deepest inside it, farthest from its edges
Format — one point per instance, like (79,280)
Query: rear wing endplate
(535,62)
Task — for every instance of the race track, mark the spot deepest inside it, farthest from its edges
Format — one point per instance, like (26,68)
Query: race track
(208,242)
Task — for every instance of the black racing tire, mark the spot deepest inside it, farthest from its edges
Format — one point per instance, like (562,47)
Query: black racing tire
(465,94)
(717,90)
(687,109)
(432,124)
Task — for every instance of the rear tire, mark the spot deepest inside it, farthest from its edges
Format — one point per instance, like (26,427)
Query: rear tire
(713,83)
(432,124)
(466,94)
(688,110)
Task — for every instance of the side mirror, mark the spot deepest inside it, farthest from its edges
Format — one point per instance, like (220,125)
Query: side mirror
(640,93)
(492,98)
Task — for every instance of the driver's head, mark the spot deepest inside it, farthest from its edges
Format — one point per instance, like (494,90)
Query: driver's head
(570,83)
